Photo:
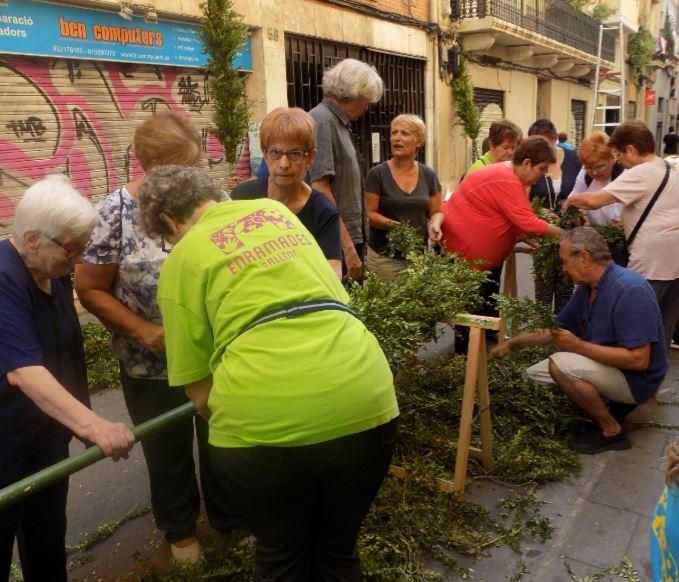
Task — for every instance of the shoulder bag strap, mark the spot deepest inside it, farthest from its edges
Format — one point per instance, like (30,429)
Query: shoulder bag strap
(649,206)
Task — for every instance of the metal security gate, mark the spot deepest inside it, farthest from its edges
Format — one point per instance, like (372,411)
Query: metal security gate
(579,115)
(306,59)
(78,117)
(491,104)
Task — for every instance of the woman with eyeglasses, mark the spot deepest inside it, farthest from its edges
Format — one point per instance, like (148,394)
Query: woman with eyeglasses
(599,167)
(288,140)
(44,399)
(118,283)
(400,190)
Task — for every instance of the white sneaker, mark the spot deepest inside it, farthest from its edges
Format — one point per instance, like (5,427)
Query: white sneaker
(190,554)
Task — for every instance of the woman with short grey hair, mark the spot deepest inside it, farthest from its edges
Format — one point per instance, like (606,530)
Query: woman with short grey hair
(43,383)
(349,88)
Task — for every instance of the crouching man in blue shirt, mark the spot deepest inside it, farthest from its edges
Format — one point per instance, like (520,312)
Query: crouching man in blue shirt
(611,354)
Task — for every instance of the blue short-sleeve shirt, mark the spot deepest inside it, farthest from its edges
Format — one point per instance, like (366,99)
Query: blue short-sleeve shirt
(624,313)
(38,329)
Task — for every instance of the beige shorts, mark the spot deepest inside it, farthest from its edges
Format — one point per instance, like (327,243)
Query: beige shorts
(610,382)
(385,268)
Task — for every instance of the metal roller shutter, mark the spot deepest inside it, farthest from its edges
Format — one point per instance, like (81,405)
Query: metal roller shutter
(78,117)
(579,115)
(491,104)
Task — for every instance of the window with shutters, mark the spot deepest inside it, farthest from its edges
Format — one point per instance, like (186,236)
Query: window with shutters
(491,104)
(306,59)
(578,115)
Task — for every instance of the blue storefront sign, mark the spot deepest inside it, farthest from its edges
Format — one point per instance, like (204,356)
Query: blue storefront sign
(51,30)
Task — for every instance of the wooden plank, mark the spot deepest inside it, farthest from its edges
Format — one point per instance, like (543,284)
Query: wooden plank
(398,472)
(509,283)
(467,413)
(483,397)
(509,288)
(477,321)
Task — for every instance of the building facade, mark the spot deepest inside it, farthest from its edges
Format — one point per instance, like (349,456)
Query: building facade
(70,105)
(75,81)
(65,110)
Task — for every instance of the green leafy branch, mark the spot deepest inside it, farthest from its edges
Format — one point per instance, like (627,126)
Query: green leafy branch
(224,35)
(525,315)
(466,110)
(640,49)
(624,570)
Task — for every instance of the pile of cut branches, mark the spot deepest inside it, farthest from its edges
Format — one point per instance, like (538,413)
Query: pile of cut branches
(411,523)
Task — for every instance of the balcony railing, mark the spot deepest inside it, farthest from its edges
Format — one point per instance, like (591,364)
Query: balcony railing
(555,19)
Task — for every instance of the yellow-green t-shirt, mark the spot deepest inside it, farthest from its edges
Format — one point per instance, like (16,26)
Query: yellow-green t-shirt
(288,382)
(483,161)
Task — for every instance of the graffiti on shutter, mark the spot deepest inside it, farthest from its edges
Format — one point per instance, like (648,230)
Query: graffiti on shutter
(578,116)
(79,117)
(491,104)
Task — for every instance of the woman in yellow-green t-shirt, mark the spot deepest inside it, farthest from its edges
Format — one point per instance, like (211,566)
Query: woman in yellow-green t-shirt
(298,393)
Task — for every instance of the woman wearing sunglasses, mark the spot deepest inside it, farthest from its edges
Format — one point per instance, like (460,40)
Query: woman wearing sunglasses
(288,140)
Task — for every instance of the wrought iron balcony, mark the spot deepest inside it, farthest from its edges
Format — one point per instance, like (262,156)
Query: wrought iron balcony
(554,19)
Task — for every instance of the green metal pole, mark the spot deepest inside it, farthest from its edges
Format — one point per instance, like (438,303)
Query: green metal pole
(62,469)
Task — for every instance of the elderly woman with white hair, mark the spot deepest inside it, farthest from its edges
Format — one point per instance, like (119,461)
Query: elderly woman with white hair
(400,190)
(43,383)
(348,89)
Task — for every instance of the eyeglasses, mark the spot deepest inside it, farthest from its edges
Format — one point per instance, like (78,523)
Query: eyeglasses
(294,156)
(597,168)
(71,251)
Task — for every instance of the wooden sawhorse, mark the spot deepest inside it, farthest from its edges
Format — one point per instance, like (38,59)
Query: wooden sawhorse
(475,389)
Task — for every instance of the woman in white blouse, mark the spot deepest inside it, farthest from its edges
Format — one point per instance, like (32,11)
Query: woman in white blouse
(599,167)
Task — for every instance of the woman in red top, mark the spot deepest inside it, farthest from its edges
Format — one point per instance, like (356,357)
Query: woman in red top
(490,210)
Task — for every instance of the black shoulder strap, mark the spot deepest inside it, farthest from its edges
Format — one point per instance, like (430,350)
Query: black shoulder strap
(649,206)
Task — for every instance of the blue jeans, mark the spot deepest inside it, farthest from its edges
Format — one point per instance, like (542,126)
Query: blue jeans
(306,504)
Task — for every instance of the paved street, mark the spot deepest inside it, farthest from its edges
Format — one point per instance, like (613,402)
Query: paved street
(598,516)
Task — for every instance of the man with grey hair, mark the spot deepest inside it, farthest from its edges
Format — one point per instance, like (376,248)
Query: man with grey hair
(348,89)
(610,339)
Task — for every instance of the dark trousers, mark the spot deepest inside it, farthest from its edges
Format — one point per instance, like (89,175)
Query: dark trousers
(488,307)
(553,290)
(306,504)
(39,521)
(169,458)
(667,293)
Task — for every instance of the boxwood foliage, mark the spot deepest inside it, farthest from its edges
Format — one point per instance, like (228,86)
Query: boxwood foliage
(102,365)
(411,524)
